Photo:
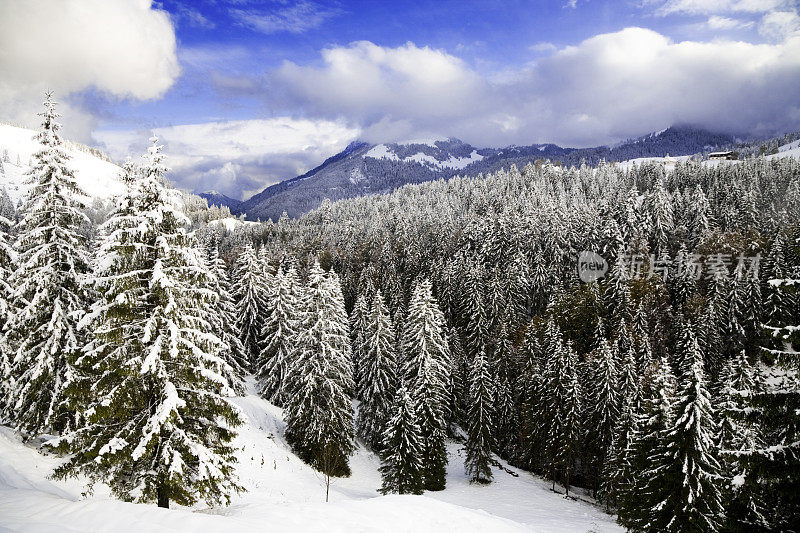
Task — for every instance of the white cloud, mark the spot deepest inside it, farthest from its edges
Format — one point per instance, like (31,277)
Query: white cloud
(716,22)
(606,88)
(543,47)
(237,158)
(367,83)
(780,25)
(123,48)
(292,17)
(708,7)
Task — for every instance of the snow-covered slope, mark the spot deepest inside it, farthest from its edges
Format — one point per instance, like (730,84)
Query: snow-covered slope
(98,178)
(434,153)
(284,494)
(232,224)
(787,150)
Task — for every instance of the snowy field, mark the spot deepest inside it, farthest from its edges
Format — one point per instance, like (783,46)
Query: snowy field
(284,494)
(98,178)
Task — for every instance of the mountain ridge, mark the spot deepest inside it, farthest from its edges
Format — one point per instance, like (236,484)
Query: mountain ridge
(364,168)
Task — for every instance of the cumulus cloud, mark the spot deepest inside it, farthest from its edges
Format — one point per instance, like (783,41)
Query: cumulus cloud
(122,48)
(237,158)
(606,88)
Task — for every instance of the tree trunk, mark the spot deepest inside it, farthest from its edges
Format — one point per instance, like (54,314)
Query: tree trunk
(163,499)
(327,487)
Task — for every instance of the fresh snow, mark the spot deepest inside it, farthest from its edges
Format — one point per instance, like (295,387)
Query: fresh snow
(285,493)
(97,178)
(669,162)
(381,151)
(232,223)
(787,150)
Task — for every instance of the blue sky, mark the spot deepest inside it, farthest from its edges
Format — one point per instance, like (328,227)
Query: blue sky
(245,93)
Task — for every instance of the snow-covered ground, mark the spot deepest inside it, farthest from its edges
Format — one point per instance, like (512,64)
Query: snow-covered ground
(669,162)
(232,223)
(97,178)
(284,494)
(787,150)
(381,151)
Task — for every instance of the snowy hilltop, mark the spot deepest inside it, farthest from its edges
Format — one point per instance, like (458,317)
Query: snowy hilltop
(98,177)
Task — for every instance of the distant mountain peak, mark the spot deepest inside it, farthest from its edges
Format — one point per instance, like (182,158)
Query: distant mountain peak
(364,168)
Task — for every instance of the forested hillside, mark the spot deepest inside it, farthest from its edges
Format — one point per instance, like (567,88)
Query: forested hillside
(363,168)
(669,388)
(626,333)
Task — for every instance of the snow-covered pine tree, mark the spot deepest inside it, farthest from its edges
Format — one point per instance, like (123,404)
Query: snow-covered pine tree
(738,436)
(379,374)
(157,426)
(319,415)
(662,222)
(358,327)
(474,312)
(602,409)
(617,295)
(7,259)
(619,474)
(403,448)
(7,209)
(700,220)
(250,293)
(459,378)
(425,368)
(480,428)
(222,317)
(564,408)
(685,474)
(280,336)
(505,419)
(653,421)
(776,406)
(48,298)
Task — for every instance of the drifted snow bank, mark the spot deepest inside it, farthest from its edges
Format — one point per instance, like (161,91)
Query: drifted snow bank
(284,494)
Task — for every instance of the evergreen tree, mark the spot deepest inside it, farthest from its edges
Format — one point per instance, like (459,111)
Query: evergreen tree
(221,313)
(776,407)
(319,415)
(48,298)
(379,374)
(684,477)
(662,222)
(564,409)
(7,259)
(619,474)
(425,369)
(280,335)
(602,407)
(358,326)
(250,292)
(738,435)
(654,421)
(402,468)
(505,419)
(479,423)
(151,385)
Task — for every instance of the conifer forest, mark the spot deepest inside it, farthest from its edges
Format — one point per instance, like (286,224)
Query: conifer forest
(658,379)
